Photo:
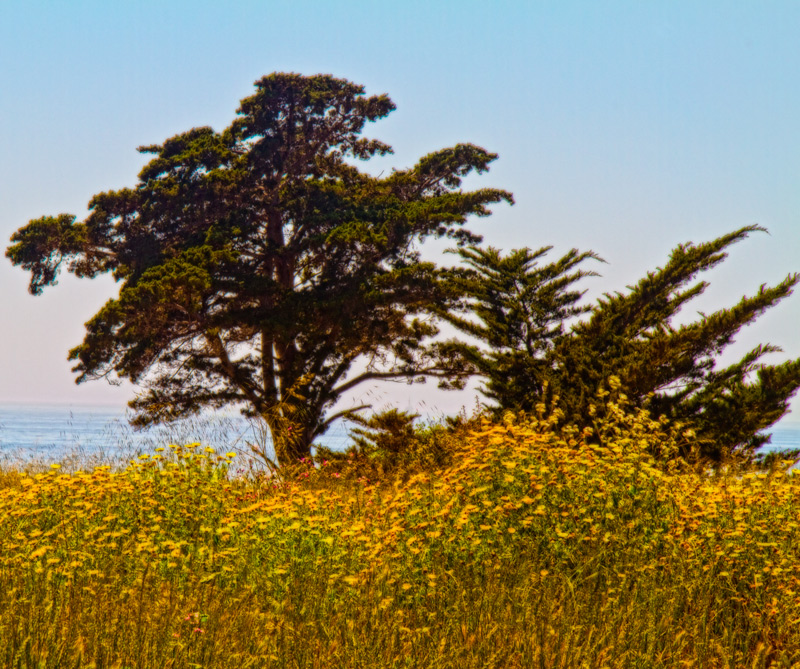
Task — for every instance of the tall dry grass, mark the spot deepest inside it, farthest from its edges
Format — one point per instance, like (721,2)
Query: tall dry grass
(535,548)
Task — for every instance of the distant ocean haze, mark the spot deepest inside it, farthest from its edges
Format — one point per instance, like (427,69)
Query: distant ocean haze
(53,432)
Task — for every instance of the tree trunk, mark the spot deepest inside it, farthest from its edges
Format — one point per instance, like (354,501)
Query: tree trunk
(291,440)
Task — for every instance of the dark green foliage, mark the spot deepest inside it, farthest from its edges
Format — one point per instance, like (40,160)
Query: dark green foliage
(521,309)
(392,442)
(258,264)
(388,433)
(666,368)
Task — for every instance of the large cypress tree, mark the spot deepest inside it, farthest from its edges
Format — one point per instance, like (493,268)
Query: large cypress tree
(669,369)
(259,264)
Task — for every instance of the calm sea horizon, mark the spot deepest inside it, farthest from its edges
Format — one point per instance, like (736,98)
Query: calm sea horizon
(51,432)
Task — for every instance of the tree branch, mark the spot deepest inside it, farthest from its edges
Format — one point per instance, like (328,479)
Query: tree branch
(339,414)
(369,376)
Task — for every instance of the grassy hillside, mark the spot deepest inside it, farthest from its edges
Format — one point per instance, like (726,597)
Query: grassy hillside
(535,548)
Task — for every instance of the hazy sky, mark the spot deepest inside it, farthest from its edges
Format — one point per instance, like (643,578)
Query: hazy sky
(622,127)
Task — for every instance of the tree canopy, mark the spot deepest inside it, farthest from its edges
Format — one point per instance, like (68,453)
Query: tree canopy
(528,357)
(517,308)
(258,264)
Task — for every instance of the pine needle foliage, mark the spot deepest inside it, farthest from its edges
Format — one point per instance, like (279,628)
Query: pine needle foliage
(392,444)
(517,308)
(388,432)
(258,264)
(666,368)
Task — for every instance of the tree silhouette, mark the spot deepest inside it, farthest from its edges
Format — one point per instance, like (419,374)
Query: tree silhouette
(259,264)
(668,369)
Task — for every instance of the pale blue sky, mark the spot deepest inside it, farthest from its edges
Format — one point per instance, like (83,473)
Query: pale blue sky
(622,127)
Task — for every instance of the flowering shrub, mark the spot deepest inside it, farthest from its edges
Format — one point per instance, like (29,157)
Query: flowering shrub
(534,546)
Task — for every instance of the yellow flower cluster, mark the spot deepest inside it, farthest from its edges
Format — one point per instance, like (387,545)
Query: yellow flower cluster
(576,536)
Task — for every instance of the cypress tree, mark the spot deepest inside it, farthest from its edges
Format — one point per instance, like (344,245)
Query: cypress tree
(669,369)
(260,267)
(517,308)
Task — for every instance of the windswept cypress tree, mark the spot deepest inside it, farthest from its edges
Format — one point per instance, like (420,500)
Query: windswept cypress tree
(669,369)
(521,308)
(258,265)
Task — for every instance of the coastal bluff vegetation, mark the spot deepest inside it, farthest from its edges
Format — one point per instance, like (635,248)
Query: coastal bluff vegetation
(610,504)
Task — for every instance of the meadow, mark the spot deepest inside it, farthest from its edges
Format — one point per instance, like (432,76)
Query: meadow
(532,546)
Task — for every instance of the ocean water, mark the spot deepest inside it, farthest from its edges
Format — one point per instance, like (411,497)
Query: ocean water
(51,433)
